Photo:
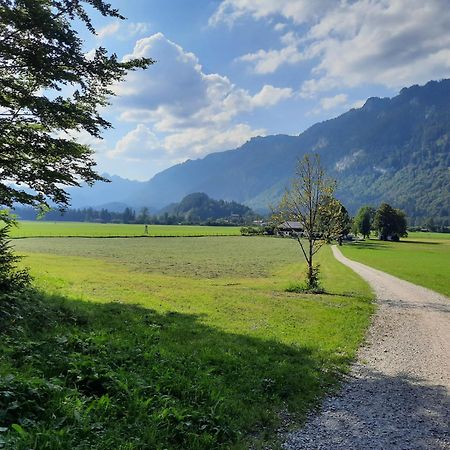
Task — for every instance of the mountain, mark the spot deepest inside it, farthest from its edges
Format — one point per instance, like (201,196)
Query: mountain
(114,196)
(395,150)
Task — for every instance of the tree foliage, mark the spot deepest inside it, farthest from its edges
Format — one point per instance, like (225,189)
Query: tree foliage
(49,90)
(335,214)
(363,221)
(12,279)
(390,223)
(310,201)
(198,207)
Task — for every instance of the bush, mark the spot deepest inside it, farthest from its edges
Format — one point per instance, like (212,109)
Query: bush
(311,287)
(12,279)
(257,230)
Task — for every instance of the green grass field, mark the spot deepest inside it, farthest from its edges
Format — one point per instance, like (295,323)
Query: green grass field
(188,343)
(422,258)
(83,229)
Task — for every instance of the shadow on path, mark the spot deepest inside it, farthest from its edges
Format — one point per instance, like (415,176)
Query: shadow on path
(379,412)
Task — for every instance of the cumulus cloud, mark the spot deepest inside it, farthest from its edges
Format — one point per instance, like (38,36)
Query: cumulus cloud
(123,30)
(279,26)
(138,28)
(207,139)
(389,42)
(392,43)
(139,144)
(193,112)
(299,11)
(333,103)
(138,155)
(108,30)
(358,103)
(328,103)
(268,61)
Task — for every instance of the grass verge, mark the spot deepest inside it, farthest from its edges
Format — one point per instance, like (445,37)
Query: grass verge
(422,258)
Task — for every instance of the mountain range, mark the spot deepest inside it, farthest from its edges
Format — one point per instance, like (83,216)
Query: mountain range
(394,150)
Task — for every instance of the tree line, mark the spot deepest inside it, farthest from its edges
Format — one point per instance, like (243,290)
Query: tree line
(130,216)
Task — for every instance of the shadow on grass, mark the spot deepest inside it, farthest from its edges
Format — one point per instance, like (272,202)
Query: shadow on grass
(362,245)
(378,245)
(420,242)
(378,411)
(81,375)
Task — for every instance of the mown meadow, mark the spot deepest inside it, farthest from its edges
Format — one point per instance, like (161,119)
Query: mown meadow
(421,258)
(84,229)
(189,343)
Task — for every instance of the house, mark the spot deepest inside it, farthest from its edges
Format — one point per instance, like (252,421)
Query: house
(289,228)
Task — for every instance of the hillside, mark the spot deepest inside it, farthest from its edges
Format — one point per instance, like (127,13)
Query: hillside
(394,150)
(115,196)
(198,207)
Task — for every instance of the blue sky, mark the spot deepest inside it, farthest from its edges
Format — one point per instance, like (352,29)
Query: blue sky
(228,70)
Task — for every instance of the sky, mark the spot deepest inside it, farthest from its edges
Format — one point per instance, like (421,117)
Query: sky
(229,70)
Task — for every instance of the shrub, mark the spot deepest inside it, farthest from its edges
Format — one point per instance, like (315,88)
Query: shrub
(12,279)
(311,285)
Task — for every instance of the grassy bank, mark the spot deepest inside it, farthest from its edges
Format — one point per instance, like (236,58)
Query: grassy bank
(173,343)
(422,258)
(58,229)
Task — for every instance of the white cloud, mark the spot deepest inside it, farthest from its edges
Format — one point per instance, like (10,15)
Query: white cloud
(299,11)
(388,42)
(358,103)
(392,43)
(269,96)
(82,137)
(139,144)
(268,61)
(207,139)
(194,112)
(123,30)
(138,28)
(328,103)
(108,30)
(333,103)
(279,26)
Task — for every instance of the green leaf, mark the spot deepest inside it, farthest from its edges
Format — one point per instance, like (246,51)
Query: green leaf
(19,430)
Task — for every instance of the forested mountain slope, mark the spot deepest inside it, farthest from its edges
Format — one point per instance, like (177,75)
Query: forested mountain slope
(394,150)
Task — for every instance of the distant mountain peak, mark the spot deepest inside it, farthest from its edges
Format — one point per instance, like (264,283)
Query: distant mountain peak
(395,150)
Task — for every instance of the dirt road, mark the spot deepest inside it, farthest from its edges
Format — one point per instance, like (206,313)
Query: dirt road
(398,393)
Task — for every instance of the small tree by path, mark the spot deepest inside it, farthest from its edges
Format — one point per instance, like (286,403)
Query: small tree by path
(310,202)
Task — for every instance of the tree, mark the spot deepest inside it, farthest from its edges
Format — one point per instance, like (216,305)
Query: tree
(343,220)
(390,223)
(128,216)
(105,215)
(310,201)
(362,223)
(49,90)
(144,216)
(11,278)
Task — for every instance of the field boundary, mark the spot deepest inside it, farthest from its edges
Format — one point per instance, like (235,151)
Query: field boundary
(126,236)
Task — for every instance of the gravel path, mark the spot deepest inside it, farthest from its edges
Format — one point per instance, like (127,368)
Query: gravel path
(397,396)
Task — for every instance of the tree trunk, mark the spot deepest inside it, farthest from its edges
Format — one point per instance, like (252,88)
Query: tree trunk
(310,265)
